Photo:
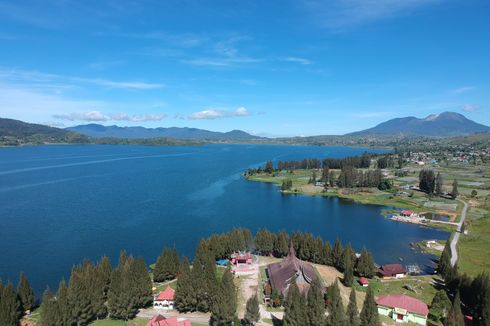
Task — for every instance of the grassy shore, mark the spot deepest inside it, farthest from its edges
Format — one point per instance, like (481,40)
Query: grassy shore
(474,248)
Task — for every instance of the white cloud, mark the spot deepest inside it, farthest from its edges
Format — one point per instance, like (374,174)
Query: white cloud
(212,114)
(463,89)
(301,61)
(27,77)
(339,14)
(470,108)
(97,116)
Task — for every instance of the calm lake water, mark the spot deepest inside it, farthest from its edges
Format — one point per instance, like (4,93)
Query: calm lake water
(59,204)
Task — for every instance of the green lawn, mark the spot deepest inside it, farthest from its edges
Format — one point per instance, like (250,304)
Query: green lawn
(422,286)
(474,248)
(110,322)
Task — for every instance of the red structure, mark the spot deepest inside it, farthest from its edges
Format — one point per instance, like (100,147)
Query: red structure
(241,258)
(363,281)
(406,213)
(392,270)
(159,320)
(405,302)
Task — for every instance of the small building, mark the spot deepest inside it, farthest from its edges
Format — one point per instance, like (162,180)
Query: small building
(406,213)
(241,258)
(392,271)
(363,281)
(159,320)
(402,308)
(165,299)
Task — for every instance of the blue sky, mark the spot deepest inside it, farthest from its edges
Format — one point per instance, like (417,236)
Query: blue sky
(268,67)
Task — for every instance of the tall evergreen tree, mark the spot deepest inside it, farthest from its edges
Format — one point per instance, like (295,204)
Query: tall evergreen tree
(167,265)
(295,308)
(480,289)
(281,244)
(224,305)
(49,310)
(141,283)
(25,292)
(454,192)
(444,263)
(252,311)
(440,306)
(315,305)
(427,181)
(203,278)
(439,184)
(455,316)
(365,264)
(336,312)
(347,264)
(9,306)
(264,240)
(337,253)
(369,313)
(184,293)
(352,311)
(63,304)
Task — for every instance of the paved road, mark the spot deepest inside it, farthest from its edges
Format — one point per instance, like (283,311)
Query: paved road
(454,241)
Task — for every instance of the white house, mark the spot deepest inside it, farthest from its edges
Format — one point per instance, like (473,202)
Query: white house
(165,299)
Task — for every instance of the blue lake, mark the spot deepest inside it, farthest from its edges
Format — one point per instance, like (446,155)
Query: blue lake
(59,204)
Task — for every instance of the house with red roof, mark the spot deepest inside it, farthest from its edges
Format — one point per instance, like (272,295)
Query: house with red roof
(363,281)
(392,271)
(159,320)
(406,213)
(165,299)
(402,308)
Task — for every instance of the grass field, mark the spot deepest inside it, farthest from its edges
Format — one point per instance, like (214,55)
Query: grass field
(110,322)
(474,248)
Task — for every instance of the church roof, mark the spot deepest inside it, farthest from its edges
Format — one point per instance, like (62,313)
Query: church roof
(288,270)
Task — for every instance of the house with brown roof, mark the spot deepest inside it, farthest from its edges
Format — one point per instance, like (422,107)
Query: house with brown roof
(402,308)
(291,269)
(392,271)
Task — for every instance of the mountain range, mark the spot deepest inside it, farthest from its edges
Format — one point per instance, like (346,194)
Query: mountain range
(98,131)
(445,124)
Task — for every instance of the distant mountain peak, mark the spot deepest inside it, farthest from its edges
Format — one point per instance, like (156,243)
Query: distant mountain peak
(435,125)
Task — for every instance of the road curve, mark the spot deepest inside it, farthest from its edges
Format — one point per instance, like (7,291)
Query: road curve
(454,241)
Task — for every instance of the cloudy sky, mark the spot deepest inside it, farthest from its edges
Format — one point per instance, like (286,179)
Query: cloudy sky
(267,67)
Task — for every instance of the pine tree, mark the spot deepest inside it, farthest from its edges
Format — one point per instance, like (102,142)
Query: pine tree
(365,265)
(167,265)
(337,253)
(454,192)
(352,311)
(63,305)
(9,306)
(326,255)
(336,313)
(480,289)
(444,263)
(315,305)
(252,311)
(141,283)
(439,184)
(348,266)
(184,293)
(25,292)
(203,278)
(101,282)
(80,293)
(295,308)
(369,313)
(281,245)
(455,316)
(49,310)
(224,306)
(440,306)
(269,167)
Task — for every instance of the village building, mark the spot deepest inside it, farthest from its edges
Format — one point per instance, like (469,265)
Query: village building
(407,213)
(392,271)
(291,269)
(165,299)
(243,263)
(242,258)
(403,308)
(159,320)
(364,282)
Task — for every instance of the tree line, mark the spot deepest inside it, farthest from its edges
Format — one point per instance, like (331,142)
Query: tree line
(432,184)
(310,309)
(15,302)
(469,294)
(97,291)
